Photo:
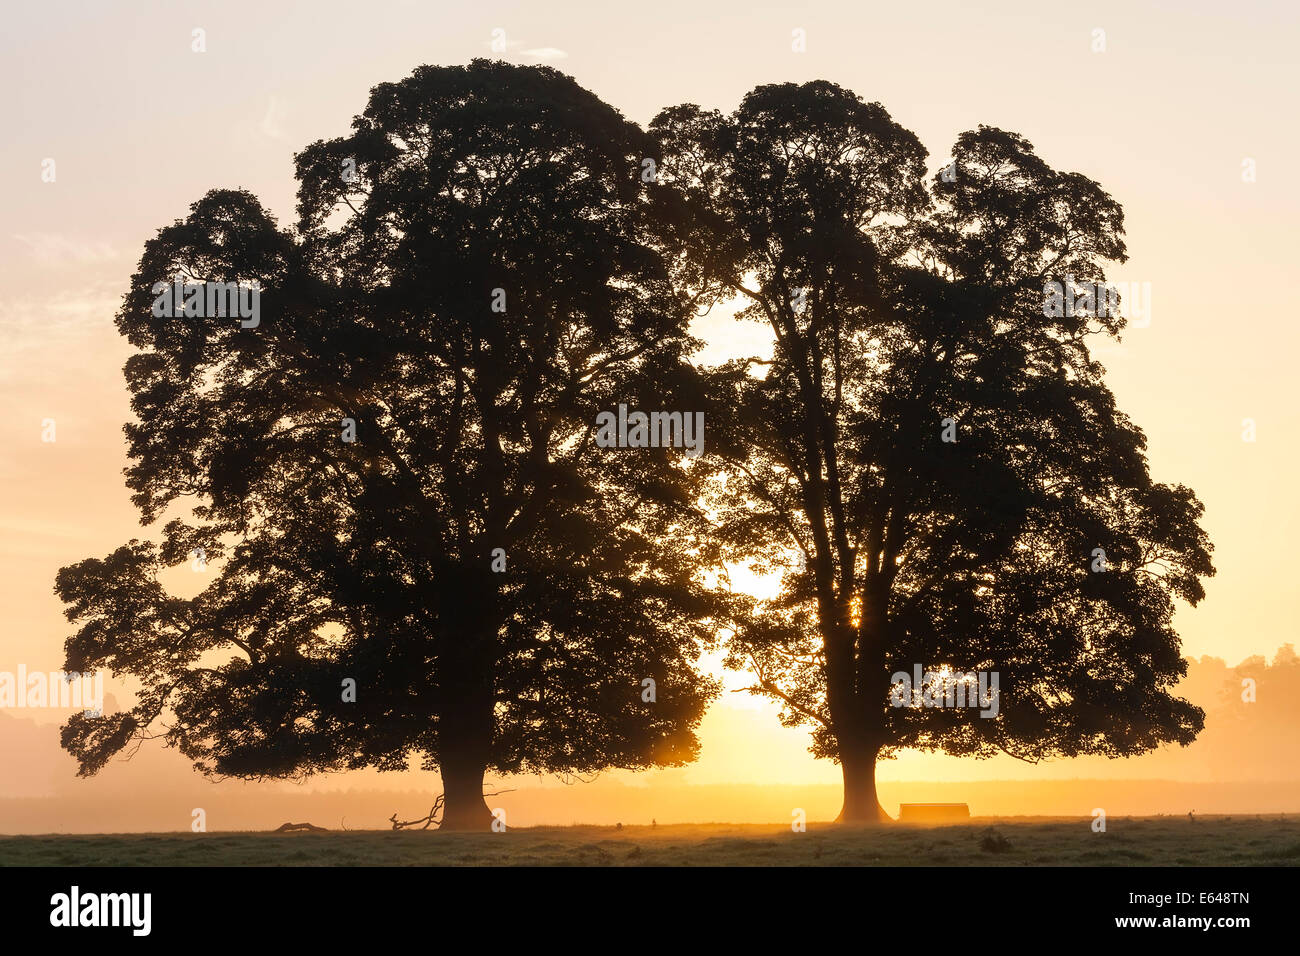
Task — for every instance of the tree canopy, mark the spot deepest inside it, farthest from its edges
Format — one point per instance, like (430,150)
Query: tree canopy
(939,446)
(424,545)
(393,471)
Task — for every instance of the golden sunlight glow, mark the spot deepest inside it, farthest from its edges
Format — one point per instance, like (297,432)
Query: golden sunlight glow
(1187,377)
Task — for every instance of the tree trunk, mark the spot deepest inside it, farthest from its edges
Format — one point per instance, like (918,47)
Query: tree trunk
(860,802)
(462,787)
(466,720)
(465,733)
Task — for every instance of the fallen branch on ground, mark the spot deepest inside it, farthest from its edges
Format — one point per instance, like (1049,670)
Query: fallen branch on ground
(431,817)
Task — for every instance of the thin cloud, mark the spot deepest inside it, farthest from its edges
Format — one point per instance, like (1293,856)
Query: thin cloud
(49,247)
(546,53)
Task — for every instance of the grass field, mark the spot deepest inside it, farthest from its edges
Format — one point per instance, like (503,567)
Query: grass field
(1008,841)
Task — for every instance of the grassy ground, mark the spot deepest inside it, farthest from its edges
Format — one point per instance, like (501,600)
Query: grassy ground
(1148,841)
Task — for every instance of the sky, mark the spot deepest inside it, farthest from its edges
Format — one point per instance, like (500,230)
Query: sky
(1183,112)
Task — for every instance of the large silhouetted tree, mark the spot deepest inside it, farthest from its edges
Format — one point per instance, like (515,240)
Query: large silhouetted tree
(416,547)
(932,435)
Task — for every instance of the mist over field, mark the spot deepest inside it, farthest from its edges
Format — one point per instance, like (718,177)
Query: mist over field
(1247,761)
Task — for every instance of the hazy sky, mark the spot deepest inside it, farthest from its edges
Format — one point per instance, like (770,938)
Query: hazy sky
(1183,100)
